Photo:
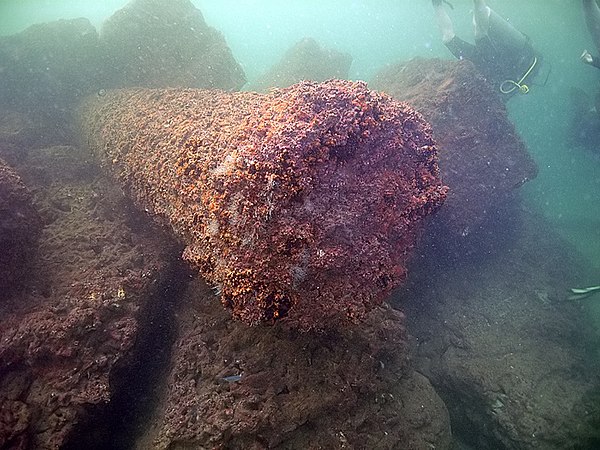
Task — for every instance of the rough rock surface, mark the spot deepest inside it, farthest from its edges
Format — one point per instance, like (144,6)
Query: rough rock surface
(19,133)
(482,158)
(302,204)
(153,43)
(231,386)
(63,336)
(516,363)
(49,67)
(71,358)
(20,226)
(306,60)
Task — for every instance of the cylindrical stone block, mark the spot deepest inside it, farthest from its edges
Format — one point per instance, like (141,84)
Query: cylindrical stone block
(301,204)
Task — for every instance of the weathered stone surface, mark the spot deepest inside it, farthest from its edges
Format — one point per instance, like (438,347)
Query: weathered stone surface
(20,226)
(94,292)
(516,363)
(482,158)
(306,60)
(153,43)
(302,204)
(76,320)
(19,133)
(49,67)
(350,388)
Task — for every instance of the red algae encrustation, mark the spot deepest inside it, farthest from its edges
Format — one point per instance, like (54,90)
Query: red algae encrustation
(301,203)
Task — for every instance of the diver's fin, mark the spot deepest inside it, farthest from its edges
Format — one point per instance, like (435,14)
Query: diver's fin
(586,290)
(581,293)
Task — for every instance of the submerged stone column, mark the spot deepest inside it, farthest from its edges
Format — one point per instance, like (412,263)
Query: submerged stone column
(302,204)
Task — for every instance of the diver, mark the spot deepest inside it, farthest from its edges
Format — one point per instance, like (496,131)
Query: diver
(501,52)
(591,12)
(585,118)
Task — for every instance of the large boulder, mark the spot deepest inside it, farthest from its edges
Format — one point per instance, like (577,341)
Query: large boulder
(153,43)
(97,278)
(49,67)
(482,158)
(306,60)
(516,363)
(230,386)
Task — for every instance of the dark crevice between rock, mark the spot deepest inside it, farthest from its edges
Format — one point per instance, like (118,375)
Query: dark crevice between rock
(117,424)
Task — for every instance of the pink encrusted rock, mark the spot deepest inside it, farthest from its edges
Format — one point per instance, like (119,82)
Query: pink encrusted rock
(482,158)
(303,203)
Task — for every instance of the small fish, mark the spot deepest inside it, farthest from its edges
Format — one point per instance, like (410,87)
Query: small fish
(232,378)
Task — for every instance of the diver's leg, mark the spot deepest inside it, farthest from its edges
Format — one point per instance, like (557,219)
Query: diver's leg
(502,35)
(591,12)
(481,18)
(444,22)
(459,48)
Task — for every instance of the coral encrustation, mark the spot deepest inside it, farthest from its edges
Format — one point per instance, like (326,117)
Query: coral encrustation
(302,203)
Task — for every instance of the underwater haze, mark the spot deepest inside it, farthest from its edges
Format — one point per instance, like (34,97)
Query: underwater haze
(376,33)
(497,343)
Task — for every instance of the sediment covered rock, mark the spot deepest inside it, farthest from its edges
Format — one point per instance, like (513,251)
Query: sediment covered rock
(49,67)
(236,387)
(303,203)
(516,363)
(153,43)
(306,60)
(20,226)
(19,133)
(482,158)
(97,274)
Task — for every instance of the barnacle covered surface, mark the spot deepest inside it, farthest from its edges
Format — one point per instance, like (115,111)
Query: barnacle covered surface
(301,203)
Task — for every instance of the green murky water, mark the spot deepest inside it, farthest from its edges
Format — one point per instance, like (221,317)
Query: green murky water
(567,189)
(376,32)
